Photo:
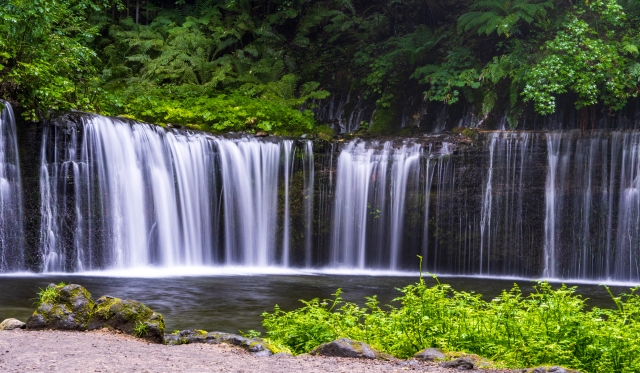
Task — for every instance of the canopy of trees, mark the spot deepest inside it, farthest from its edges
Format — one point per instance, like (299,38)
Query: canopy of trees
(226,65)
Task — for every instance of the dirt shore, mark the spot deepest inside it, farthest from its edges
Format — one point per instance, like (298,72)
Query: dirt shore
(57,351)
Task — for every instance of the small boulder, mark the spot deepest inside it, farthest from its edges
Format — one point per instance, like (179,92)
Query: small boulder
(346,347)
(185,337)
(462,363)
(127,316)
(255,346)
(69,309)
(429,354)
(261,134)
(11,324)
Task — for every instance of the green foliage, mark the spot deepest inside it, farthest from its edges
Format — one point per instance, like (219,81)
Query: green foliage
(223,65)
(250,334)
(50,294)
(548,327)
(457,74)
(190,106)
(579,60)
(140,329)
(45,62)
(502,16)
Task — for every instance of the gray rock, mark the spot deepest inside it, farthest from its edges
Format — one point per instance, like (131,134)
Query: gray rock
(186,337)
(462,363)
(71,311)
(11,324)
(345,347)
(127,316)
(255,346)
(429,354)
(411,364)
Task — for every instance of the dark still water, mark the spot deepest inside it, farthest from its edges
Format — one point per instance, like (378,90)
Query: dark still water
(235,302)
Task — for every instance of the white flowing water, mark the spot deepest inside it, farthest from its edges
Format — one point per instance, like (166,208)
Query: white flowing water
(11,219)
(118,195)
(369,204)
(288,153)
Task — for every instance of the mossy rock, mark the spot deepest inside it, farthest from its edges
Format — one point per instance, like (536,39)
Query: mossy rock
(127,316)
(186,337)
(70,307)
(71,311)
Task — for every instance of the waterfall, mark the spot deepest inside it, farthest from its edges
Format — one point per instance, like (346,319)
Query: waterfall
(288,153)
(369,204)
(309,191)
(136,195)
(11,217)
(592,205)
(122,194)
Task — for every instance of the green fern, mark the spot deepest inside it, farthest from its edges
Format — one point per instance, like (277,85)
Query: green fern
(501,16)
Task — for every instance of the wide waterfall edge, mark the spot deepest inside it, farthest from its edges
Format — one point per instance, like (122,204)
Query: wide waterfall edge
(526,278)
(278,271)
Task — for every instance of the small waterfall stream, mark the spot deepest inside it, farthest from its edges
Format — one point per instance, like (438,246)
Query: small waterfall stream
(11,217)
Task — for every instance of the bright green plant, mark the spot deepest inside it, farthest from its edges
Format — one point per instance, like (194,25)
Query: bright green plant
(548,327)
(140,329)
(596,67)
(44,62)
(50,294)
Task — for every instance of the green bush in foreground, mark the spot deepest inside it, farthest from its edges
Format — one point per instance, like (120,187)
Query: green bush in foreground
(548,327)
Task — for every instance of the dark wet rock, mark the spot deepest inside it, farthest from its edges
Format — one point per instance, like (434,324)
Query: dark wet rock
(346,347)
(71,311)
(429,354)
(127,316)
(462,363)
(254,345)
(11,324)
(186,337)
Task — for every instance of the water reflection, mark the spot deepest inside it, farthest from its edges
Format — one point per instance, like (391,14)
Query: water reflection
(232,303)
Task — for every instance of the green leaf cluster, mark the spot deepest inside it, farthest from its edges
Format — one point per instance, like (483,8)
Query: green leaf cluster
(548,327)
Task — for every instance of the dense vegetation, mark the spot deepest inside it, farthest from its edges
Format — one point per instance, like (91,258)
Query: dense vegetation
(548,327)
(261,65)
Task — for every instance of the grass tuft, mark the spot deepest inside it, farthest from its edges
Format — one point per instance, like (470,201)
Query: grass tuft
(140,329)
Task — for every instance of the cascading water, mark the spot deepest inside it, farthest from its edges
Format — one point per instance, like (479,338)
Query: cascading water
(118,194)
(121,195)
(289,152)
(592,209)
(11,219)
(369,204)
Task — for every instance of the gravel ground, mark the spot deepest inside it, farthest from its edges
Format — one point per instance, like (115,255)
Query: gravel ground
(58,351)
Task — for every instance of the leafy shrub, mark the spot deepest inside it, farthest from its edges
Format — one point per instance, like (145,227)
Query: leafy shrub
(548,327)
